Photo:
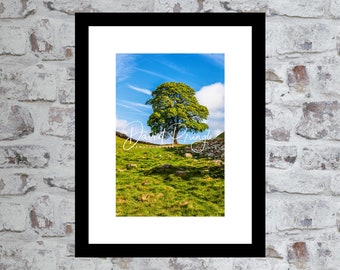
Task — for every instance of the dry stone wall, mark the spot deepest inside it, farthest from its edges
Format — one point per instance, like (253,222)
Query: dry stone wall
(37,74)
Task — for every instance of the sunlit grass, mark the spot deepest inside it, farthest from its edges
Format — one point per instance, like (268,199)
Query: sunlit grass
(153,181)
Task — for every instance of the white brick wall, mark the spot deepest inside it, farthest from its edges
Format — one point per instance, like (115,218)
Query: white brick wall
(37,138)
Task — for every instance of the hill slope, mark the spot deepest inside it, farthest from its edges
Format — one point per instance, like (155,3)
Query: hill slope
(158,181)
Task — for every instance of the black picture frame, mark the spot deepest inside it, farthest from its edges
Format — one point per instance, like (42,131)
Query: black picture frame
(82,246)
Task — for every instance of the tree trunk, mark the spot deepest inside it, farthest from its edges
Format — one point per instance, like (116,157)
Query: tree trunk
(175,136)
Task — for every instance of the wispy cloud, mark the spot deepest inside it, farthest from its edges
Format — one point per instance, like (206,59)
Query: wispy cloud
(140,105)
(174,67)
(155,74)
(134,106)
(124,66)
(129,107)
(141,90)
(216,58)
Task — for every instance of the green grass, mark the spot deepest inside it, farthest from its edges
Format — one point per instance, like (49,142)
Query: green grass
(162,182)
(221,136)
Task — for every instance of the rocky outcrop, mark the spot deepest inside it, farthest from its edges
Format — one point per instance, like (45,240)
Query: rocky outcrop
(213,149)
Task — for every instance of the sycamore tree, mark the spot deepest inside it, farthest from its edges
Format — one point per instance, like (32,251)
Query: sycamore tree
(175,109)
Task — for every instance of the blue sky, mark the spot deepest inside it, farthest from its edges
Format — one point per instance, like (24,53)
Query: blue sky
(137,75)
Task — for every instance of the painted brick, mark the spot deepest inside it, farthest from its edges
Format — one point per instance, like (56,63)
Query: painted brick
(16,184)
(39,86)
(320,158)
(279,123)
(61,122)
(76,263)
(66,92)
(41,259)
(71,73)
(320,120)
(296,181)
(257,263)
(41,215)
(298,255)
(335,8)
(170,263)
(27,256)
(33,83)
(52,216)
(280,157)
(51,39)
(302,8)
(66,77)
(70,250)
(13,258)
(69,7)
(179,6)
(335,185)
(10,221)
(284,214)
(42,36)
(284,82)
(12,40)
(276,248)
(313,253)
(326,76)
(66,34)
(11,82)
(66,183)
(233,6)
(12,9)
(15,121)
(298,78)
(66,211)
(281,93)
(182,263)
(23,156)
(64,155)
(270,86)
(67,216)
(272,76)
(126,5)
(301,37)
(291,42)
(325,254)
(106,264)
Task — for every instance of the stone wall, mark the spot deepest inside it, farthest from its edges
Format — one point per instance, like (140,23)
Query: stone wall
(37,134)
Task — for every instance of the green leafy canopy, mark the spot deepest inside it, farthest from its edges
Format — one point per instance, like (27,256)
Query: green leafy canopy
(175,108)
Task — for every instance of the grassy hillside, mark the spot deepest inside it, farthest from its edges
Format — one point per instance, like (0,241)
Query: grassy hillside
(221,136)
(154,181)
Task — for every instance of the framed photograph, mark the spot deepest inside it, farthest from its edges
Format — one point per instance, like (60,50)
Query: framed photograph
(170,135)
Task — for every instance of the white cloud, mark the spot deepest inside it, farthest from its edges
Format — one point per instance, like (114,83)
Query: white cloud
(212,96)
(121,125)
(141,90)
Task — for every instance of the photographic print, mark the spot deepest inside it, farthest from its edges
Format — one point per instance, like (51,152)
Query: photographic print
(170,135)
